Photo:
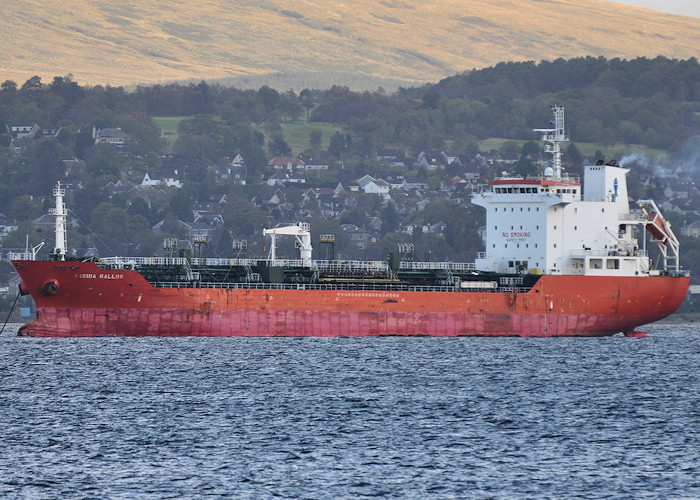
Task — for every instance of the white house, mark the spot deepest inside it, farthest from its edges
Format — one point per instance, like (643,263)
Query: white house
(370,185)
(161,178)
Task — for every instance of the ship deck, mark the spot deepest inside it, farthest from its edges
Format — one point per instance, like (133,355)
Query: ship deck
(288,274)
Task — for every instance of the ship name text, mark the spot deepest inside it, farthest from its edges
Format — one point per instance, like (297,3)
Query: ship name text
(102,276)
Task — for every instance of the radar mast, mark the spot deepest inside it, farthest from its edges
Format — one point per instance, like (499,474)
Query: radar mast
(552,137)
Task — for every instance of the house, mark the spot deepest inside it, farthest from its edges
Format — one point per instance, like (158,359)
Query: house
(387,154)
(370,185)
(88,252)
(113,187)
(113,136)
(431,160)
(6,226)
(406,186)
(208,216)
(286,177)
(438,228)
(277,198)
(234,171)
(200,231)
(289,163)
(358,236)
(47,223)
(691,230)
(22,136)
(314,166)
(374,223)
(20,131)
(237,161)
(452,158)
(322,201)
(392,157)
(74,166)
(19,145)
(161,178)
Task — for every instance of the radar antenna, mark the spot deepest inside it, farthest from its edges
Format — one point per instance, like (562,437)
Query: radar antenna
(552,137)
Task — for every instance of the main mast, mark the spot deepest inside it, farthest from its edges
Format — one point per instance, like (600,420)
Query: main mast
(552,137)
(60,214)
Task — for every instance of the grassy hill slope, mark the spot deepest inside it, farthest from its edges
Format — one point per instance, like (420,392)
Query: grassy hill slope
(146,41)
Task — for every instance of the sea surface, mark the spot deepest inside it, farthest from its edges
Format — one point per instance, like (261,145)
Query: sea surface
(351,418)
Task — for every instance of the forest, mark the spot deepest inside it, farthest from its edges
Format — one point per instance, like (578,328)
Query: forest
(648,105)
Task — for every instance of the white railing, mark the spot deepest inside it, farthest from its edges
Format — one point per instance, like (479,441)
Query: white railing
(321,265)
(580,254)
(195,262)
(350,265)
(452,266)
(20,256)
(634,216)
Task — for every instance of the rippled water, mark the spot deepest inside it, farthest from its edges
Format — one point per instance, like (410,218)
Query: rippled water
(347,418)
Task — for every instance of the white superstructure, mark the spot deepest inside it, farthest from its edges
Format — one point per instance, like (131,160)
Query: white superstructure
(551,225)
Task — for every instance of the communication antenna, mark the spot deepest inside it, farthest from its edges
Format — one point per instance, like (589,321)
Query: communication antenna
(552,137)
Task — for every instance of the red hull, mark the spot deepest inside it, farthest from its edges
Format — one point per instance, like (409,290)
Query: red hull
(92,302)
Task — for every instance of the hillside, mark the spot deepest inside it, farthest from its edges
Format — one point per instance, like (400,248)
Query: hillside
(313,42)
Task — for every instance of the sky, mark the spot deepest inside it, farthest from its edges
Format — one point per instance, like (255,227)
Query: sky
(682,7)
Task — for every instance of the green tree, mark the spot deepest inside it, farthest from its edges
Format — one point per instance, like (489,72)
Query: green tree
(44,159)
(277,146)
(269,97)
(25,208)
(307,100)
(9,86)
(337,144)
(18,237)
(103,159)
(32,85)
(315,142)
(181,205)
(390,219)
